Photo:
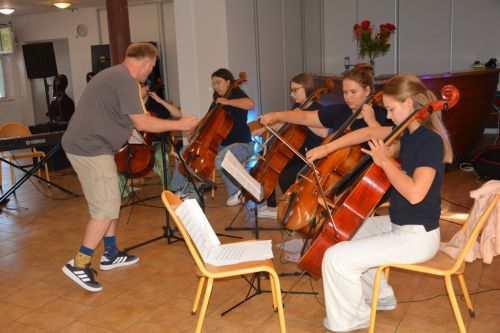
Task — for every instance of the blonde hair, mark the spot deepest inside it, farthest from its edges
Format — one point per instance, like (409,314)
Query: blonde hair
(401,87)
(142,50)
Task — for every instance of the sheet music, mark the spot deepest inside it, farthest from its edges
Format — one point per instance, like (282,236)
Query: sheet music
(198,227)
(136,138)
(234,167)
(209,247)
(234,253)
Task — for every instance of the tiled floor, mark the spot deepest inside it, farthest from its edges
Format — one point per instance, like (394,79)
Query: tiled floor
(39,234)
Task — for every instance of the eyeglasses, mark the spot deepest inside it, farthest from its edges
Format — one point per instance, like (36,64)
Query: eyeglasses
(294,90)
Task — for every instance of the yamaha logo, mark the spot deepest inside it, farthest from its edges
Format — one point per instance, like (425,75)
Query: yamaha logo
(34,142)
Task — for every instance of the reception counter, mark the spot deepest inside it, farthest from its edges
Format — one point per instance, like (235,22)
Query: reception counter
(466,121)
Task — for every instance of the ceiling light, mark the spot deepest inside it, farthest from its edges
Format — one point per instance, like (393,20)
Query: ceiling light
(6,11)
(62,5)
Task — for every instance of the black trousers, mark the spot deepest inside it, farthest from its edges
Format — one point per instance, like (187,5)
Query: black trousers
(286,178)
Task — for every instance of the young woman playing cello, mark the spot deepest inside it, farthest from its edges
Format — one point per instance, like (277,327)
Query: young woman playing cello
(357,85)
(301,87)
(410,233)
(238,141)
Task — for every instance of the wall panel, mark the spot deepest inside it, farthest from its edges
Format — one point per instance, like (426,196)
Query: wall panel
(424,36)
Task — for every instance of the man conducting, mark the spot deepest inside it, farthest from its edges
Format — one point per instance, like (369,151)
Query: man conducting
(110,107)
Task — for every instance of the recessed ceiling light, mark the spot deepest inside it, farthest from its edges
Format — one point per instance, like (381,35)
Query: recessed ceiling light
(62,5)
(6,11)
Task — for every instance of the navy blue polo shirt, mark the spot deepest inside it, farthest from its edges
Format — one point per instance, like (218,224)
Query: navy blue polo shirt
(422,148)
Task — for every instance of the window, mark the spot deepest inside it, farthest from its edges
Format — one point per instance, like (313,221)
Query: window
(3,93)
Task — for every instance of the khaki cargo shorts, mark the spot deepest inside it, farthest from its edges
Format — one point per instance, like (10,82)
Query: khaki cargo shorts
(99,180)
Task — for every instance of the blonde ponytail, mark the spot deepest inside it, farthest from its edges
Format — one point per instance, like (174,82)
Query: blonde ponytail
(402,87)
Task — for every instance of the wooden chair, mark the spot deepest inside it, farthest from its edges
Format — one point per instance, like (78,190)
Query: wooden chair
(208,272)
(441,265)
(11,130)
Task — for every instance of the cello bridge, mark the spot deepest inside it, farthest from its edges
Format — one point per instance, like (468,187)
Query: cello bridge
(305,178)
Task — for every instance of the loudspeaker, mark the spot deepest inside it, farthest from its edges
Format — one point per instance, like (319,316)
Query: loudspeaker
(40,60)
(101,57)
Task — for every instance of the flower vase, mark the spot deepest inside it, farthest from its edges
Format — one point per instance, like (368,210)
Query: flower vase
(371,60)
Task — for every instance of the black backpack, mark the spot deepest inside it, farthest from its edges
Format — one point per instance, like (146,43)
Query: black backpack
(486,163)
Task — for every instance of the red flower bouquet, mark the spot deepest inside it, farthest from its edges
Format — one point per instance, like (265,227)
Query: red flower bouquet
(370,43)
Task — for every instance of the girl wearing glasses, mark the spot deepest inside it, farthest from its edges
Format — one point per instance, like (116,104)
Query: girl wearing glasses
(301,87)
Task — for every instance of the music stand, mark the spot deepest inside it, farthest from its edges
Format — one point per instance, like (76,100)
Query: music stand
(133,197)
(168,233)
(192,176)
(256,277)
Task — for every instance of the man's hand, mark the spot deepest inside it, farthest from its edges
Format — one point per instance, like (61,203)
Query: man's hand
(187,123)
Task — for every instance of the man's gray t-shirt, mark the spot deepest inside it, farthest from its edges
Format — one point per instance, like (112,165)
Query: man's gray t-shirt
(100,124)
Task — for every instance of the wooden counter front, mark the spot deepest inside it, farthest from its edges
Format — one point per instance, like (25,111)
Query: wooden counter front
(466,121)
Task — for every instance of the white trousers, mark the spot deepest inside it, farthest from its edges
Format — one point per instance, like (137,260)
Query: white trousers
(349,267)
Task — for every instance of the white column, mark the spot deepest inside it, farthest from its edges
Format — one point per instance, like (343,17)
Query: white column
(202,48)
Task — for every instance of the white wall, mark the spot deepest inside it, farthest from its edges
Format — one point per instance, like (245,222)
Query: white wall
(476,32)
(48,27)
(202,48)
(243,57)
(266,39)
(432,36)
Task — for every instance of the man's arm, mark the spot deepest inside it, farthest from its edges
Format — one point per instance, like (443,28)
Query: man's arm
(147,123)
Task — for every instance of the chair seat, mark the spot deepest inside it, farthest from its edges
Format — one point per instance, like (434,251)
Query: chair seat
(440,264)
(248,267)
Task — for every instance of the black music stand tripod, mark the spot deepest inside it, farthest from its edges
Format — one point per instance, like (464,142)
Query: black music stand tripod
(29,173)
(168,233)
(255,281)
(192,176)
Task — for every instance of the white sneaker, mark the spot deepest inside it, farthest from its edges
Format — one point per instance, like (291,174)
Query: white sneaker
(267,212)
(354,328)
(234,199)
(385,303)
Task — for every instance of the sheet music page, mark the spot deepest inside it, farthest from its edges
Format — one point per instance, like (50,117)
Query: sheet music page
(234,167)
(136,138)
(234,253)
(207,242)
(198,227)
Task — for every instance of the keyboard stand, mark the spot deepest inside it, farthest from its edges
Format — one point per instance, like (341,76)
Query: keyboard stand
(29,173)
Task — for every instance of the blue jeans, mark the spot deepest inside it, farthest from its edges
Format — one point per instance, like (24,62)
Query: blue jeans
(242,151)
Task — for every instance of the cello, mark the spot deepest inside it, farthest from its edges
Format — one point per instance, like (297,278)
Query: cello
(278,154)
(136,159)
(298,209)
(353,204)
(208,136)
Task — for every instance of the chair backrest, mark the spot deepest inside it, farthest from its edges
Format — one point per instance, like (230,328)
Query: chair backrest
(171,202)
(10,130)
(478,227)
